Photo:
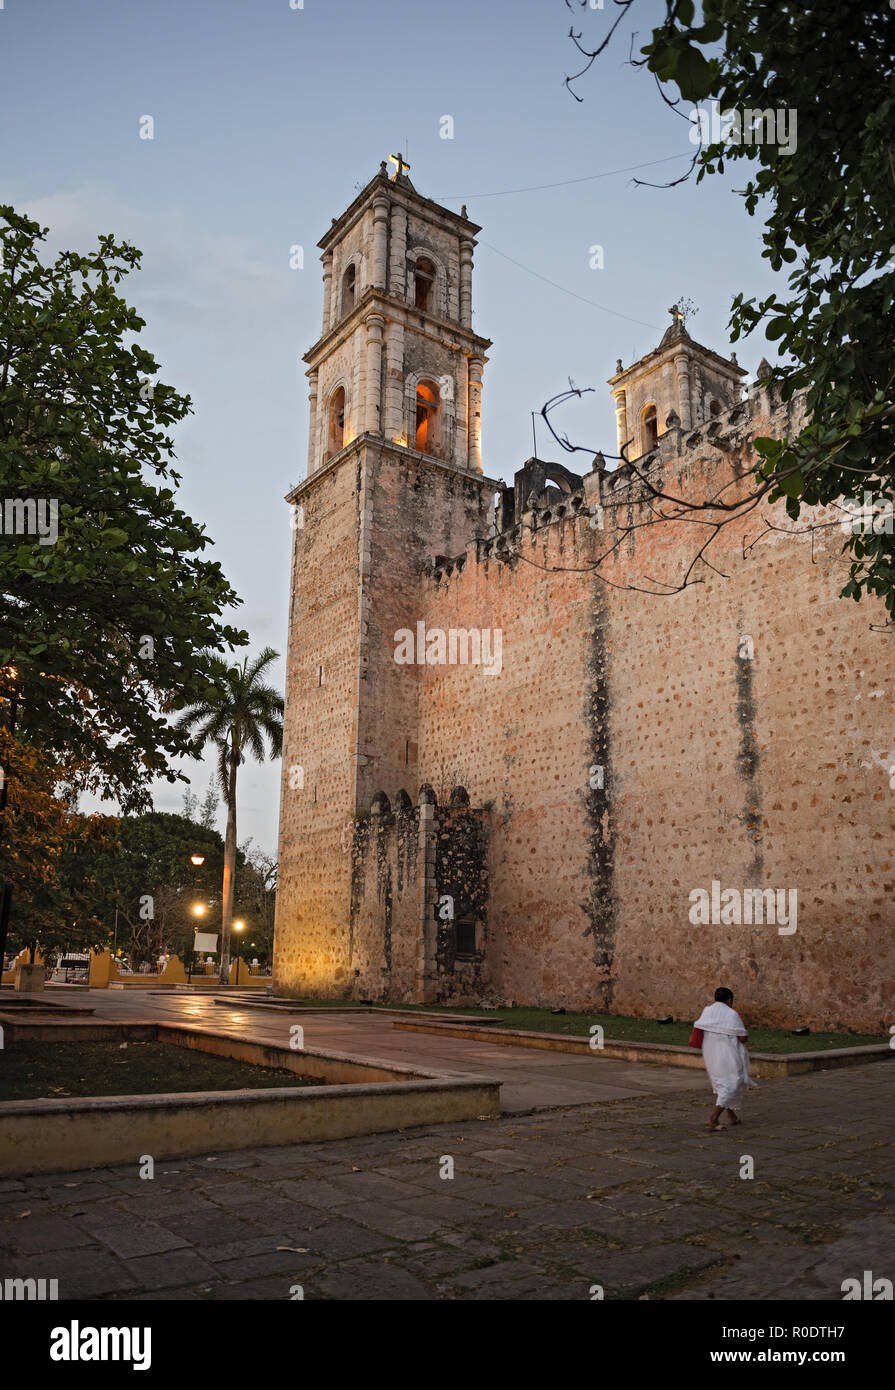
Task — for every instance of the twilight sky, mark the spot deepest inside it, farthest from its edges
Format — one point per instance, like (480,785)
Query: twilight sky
(268,120)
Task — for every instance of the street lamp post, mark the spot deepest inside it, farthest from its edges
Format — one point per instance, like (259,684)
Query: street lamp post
(198,911)
(238,927)
(197,860)
(6,894)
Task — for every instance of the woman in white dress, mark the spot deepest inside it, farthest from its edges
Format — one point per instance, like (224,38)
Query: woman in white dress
(726,1058)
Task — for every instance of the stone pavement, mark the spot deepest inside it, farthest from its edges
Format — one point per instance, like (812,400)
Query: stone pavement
(531,1079)
(630,1194)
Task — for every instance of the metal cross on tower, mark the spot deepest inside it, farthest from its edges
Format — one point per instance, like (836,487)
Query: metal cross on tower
(401,165)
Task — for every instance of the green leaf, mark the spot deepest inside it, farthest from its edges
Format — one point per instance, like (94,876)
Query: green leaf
(693,74)
(793,486)
(113,538)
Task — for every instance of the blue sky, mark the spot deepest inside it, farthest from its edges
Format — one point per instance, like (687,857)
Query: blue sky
(267,121)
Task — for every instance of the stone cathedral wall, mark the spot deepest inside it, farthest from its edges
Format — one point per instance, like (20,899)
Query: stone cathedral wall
(312,949)
(742,731)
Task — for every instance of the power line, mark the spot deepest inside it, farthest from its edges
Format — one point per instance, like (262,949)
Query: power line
(564,183)
(592,302)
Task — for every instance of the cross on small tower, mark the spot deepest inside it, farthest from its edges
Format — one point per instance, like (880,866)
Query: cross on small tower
(676,315)
(400,163)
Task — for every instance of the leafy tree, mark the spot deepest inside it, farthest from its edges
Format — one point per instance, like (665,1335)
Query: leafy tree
(209,811)
(828,203)
(239,710)
(206,812)
(114,621)
(155,886)
(55,858)
(256,898)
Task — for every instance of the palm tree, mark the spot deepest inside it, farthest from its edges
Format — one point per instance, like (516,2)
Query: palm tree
(238,710)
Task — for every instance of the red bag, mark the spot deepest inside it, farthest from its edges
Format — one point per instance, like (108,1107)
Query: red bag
(696,1038)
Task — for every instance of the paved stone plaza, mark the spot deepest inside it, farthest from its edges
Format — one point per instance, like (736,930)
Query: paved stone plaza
(624,1190)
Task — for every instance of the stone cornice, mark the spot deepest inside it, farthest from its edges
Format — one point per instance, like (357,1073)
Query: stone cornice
(397,193)
(376,441)
(683,347)
(397,311)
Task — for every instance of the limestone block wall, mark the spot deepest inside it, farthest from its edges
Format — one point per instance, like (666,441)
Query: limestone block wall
(415,871)
(634,753)
(386,900)
(520,741)
(412,508)
(312,949)
(741,730)
(351,724)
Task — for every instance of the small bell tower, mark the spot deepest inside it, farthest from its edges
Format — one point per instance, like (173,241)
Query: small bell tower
(679,375)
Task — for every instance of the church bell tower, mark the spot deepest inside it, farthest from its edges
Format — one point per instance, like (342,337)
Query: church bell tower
(397,357)
(394,478)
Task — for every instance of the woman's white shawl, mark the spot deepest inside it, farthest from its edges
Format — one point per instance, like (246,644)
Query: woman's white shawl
(725,1056)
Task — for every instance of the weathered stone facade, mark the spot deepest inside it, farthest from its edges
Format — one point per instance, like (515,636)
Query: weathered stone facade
(534,827)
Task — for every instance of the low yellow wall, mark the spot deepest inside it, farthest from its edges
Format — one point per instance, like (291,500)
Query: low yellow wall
(361,1098)
(764,1065)
(23,958)
(54,1136)
(104,974)
(337,1068)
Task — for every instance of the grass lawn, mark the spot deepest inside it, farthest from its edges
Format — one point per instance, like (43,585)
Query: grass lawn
(622,1028)
(52,1071)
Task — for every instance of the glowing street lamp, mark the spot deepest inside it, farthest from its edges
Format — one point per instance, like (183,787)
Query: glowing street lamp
(11,674)
(238,927)
(199,909)
(197,859)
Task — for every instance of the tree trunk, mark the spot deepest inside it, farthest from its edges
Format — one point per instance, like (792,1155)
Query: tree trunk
(229,870)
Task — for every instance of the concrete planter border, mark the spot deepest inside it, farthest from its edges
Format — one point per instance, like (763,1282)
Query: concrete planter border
(360,1097)
(764,1064)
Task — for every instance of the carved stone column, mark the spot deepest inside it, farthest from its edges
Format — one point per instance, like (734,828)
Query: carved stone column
(621,418)
(380,241)
(466,283)
(335,299)
(374,324)
(474,456)
(397,281)
(461,421)
(312,422)
(327,290)
(427,943)
(683,391)
(394,426)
